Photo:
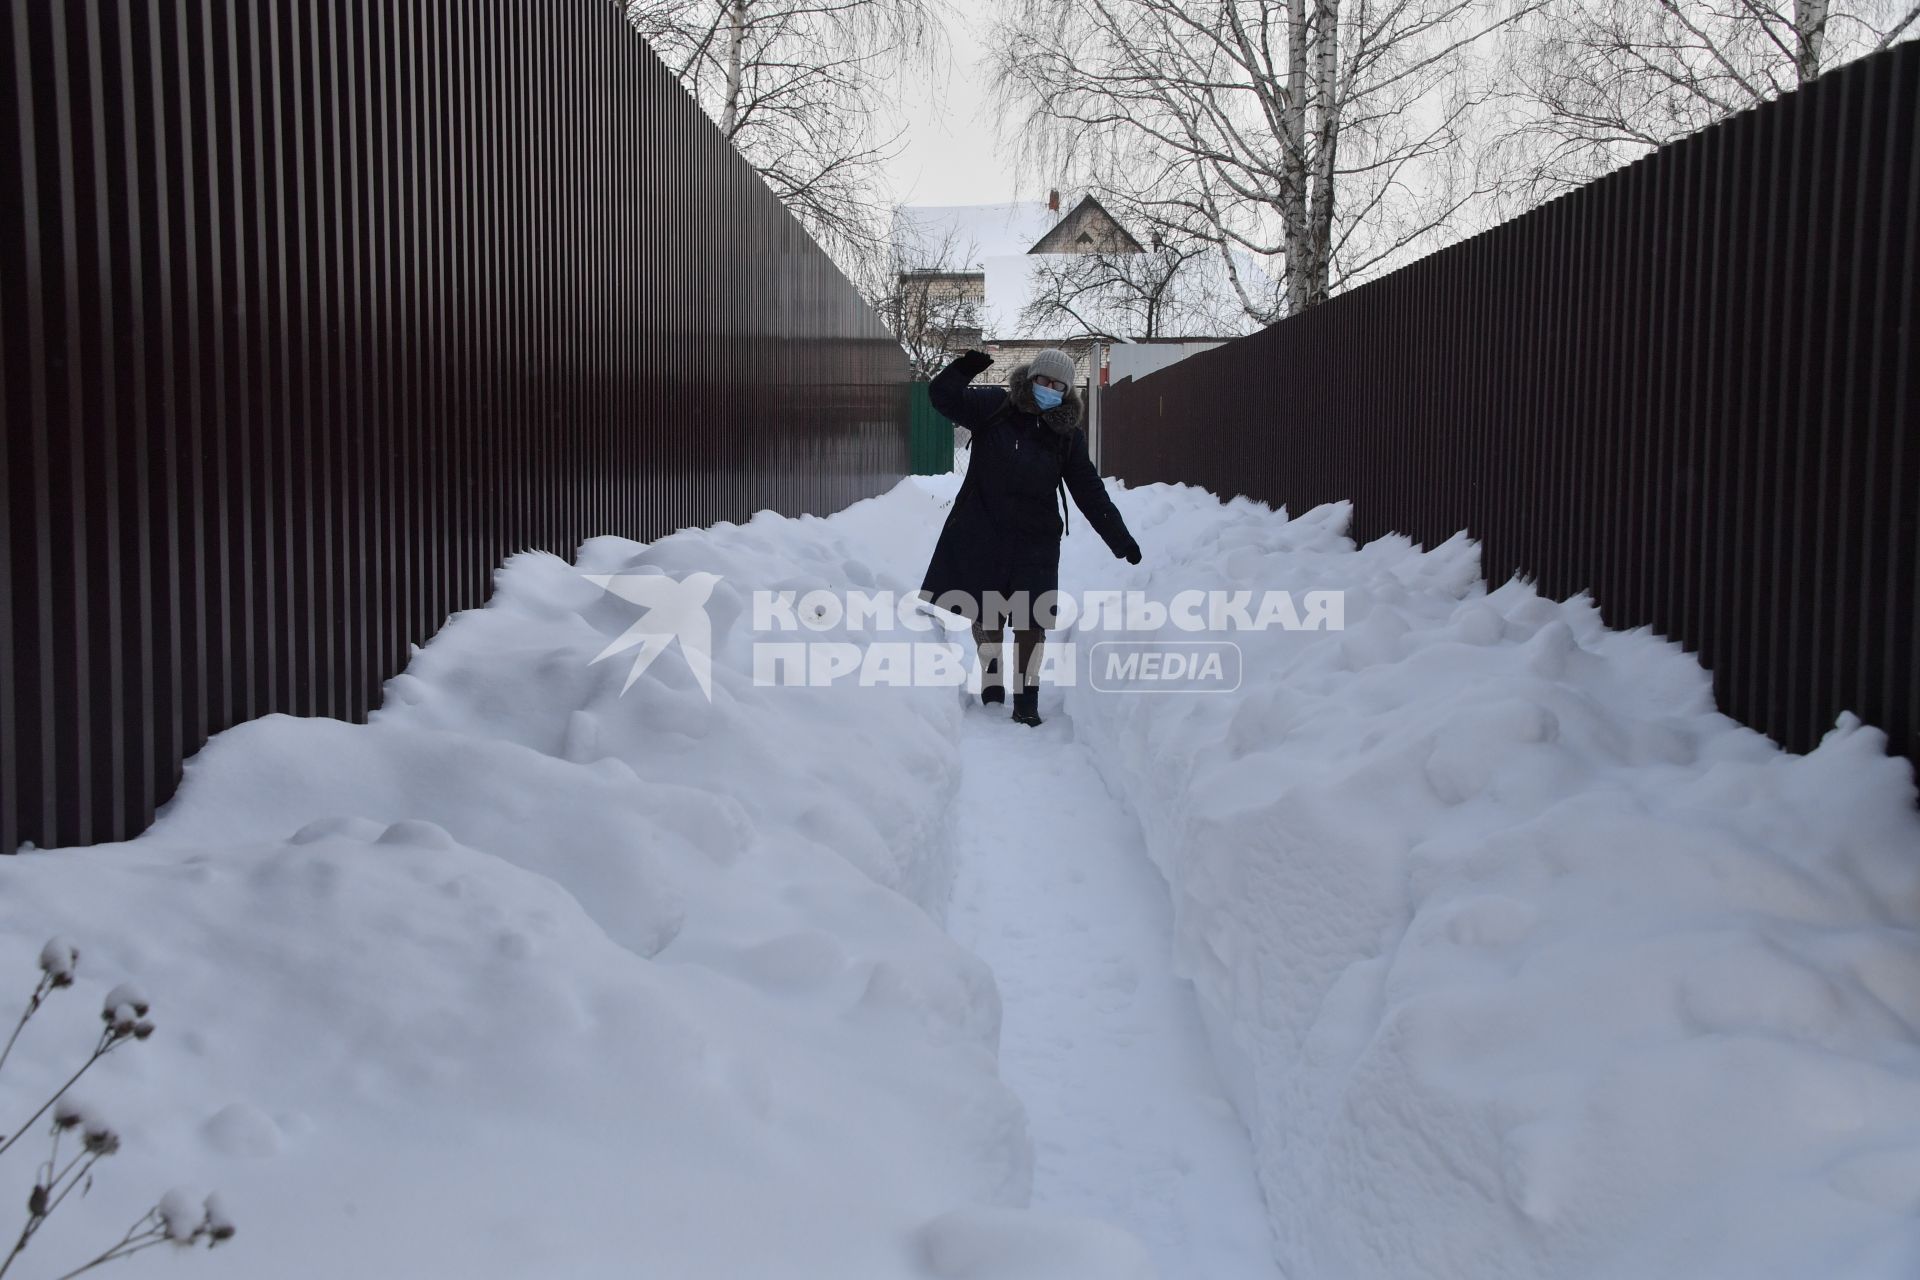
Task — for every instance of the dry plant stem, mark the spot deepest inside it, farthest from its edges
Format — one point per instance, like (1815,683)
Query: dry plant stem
(33,1007)
(101,1050)
(54,1182)
(85,1171)
(26,1234)
(133,1242)
(78,1170)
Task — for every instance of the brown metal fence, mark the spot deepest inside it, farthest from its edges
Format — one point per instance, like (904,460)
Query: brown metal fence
(1688,388)
(314,310)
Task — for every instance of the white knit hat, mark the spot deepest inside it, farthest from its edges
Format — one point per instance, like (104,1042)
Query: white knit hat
(1052,363)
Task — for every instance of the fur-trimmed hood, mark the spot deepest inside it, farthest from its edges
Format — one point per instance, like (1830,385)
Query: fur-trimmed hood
(1061,419)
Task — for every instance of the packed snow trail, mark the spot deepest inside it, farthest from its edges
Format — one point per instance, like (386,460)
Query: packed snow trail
(1098,1038)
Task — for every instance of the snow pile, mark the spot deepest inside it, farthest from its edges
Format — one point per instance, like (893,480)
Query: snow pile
(530,978)
(1519,958)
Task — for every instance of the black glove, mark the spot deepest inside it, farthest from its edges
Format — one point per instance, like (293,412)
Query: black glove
(1133,553)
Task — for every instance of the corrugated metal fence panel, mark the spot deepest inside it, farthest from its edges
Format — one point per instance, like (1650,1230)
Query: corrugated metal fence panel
(314,310)
(1688,388)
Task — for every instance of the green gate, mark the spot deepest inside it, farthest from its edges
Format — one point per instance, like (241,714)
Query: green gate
(930,436)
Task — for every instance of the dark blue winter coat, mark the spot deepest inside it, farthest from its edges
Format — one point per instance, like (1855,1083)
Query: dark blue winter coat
(1003,533)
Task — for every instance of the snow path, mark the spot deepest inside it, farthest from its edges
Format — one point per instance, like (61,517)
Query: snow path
(1100,1039)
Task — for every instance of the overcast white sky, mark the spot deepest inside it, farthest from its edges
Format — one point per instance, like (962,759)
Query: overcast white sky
(950,156)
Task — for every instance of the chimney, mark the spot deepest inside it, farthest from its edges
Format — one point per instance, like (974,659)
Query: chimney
(1053,202)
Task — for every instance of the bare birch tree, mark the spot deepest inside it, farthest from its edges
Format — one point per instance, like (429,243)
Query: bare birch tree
(1324,139)
(802,88)
(1593,84)
(933,303)
(1171,291)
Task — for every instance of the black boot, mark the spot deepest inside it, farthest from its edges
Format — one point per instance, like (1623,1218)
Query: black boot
(992,695)
(1026,706)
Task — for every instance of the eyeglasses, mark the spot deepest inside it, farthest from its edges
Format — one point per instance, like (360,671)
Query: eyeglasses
(1055,383)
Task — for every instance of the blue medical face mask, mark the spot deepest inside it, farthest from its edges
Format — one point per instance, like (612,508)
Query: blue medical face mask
(1047,397)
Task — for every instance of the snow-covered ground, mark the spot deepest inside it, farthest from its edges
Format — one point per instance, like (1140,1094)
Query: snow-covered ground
(1510,956)
(1521,960)
(527,978)
(1101,1040)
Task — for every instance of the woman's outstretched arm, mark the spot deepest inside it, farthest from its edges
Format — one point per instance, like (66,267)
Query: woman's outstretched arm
(964,405)
(1090,495)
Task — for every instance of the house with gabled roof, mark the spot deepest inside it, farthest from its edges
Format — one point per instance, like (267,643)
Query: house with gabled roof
(990,262)
(1089,228)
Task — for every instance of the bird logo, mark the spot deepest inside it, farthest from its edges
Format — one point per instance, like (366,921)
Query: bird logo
(675,610)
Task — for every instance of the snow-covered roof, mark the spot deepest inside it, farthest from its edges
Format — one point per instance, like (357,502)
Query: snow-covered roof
(961,237)
(995,239)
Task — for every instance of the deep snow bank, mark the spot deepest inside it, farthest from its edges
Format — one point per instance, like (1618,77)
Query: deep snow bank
(530,978)
(1523,960)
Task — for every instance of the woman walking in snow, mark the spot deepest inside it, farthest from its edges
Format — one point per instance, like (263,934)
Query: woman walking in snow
(1002,538)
